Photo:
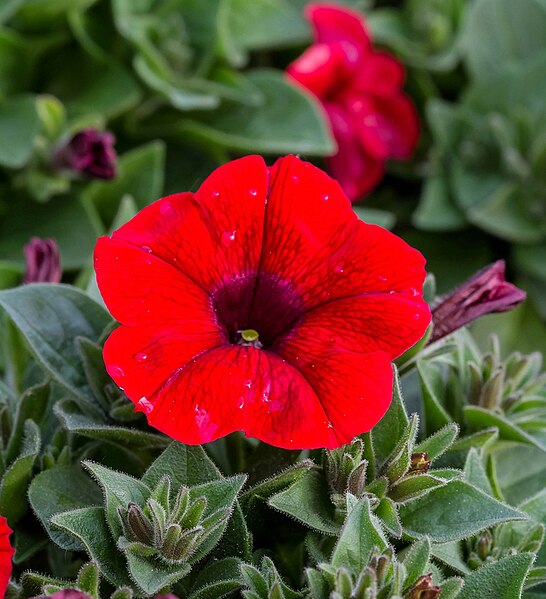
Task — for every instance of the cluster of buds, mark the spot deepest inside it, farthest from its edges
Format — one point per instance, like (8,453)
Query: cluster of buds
(166,529)
(502,541)
(405,474)
(384,576)
(505,385)
(265,582)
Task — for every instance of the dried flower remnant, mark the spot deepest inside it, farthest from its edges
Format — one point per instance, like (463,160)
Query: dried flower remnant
(42,261)
(88,152)
(485,292)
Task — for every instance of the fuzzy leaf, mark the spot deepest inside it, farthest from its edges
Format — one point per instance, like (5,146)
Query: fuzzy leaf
(416,560)
(499,580)
(451,588)
(90,527)
(13,486)
(432,387)
(119,490)
(152,575)
(475,473)
(217,579)
(390,428)
(61,489)
(454,512)
(359,535)
(50,317)
(307,500)
(439,442)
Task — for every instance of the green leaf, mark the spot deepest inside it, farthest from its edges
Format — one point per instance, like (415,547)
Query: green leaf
(416,560)
(50,317)
(13,486)
(475,473)
(438,443)
(389,429)
(140,174)
(386,511)
(451,588)
(436,210)
(454,512)
(119,490)
(499,580)
(307,500)
(451,554)
(432,387)
(217,579)
(90,527)
(479,418)
(501,32)
(373,216)
(358,537)
(185,464)
(94,428)
(61,489)
(221,495)
(287,120)
(19,125)
(413,486)
(151,575)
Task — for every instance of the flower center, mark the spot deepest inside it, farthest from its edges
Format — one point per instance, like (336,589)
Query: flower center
(256,310)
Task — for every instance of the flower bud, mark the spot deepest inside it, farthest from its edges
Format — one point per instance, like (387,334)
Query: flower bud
(89,152)
(419,463)
(43,261)
(140,527)
(484,293)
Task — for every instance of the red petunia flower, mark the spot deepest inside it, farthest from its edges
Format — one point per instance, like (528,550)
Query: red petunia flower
(361,90)
(6,553)
(259,303)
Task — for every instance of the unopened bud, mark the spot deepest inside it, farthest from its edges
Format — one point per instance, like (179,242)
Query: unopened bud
(42,261)
(139,525)
(89,152)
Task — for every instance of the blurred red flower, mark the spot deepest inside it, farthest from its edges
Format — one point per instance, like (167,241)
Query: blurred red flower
(6,553)
(259,303)
(372,119)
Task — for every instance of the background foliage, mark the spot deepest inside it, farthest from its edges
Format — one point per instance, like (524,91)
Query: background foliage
(186,85)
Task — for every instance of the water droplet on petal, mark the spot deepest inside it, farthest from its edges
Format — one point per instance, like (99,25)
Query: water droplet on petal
(392,292)
(115,371)
(413,291)
(417,316)
(228,237)
(339,269)
(295,178)
(166,208)
(145,405)
(241,403)
(253,192)
(248,384)
(325,197)
(146,248)
(215,194)
(201,417)
(382,278)
(141,357)
(330,425)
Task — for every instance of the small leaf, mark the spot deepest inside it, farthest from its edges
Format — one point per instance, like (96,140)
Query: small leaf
(358,537)
(416,560)
(439,442)
(61,489)
(13,486)
(90,527)
(50,317)
(475,472)
(432,386)
(386,511)
(19,125)
(454,512)
(451,588)
(217,579)
(152,575)
(307,500)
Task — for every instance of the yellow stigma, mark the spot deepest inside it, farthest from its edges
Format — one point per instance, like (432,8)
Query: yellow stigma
(250,335)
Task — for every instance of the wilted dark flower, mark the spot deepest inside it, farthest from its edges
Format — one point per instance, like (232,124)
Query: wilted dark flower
(43,261)
(89,152)
(423,589)
(484,293)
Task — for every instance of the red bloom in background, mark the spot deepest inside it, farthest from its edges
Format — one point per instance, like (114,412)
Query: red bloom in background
(6,553)
(259,303)
(361,89)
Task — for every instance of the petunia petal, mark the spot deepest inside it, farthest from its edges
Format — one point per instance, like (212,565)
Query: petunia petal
(335,24)
(369,323)
(213,235)
(6,553)
(332,255)
(140,288)
(241,388)
(380,74)
(354,389)
(140,359)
